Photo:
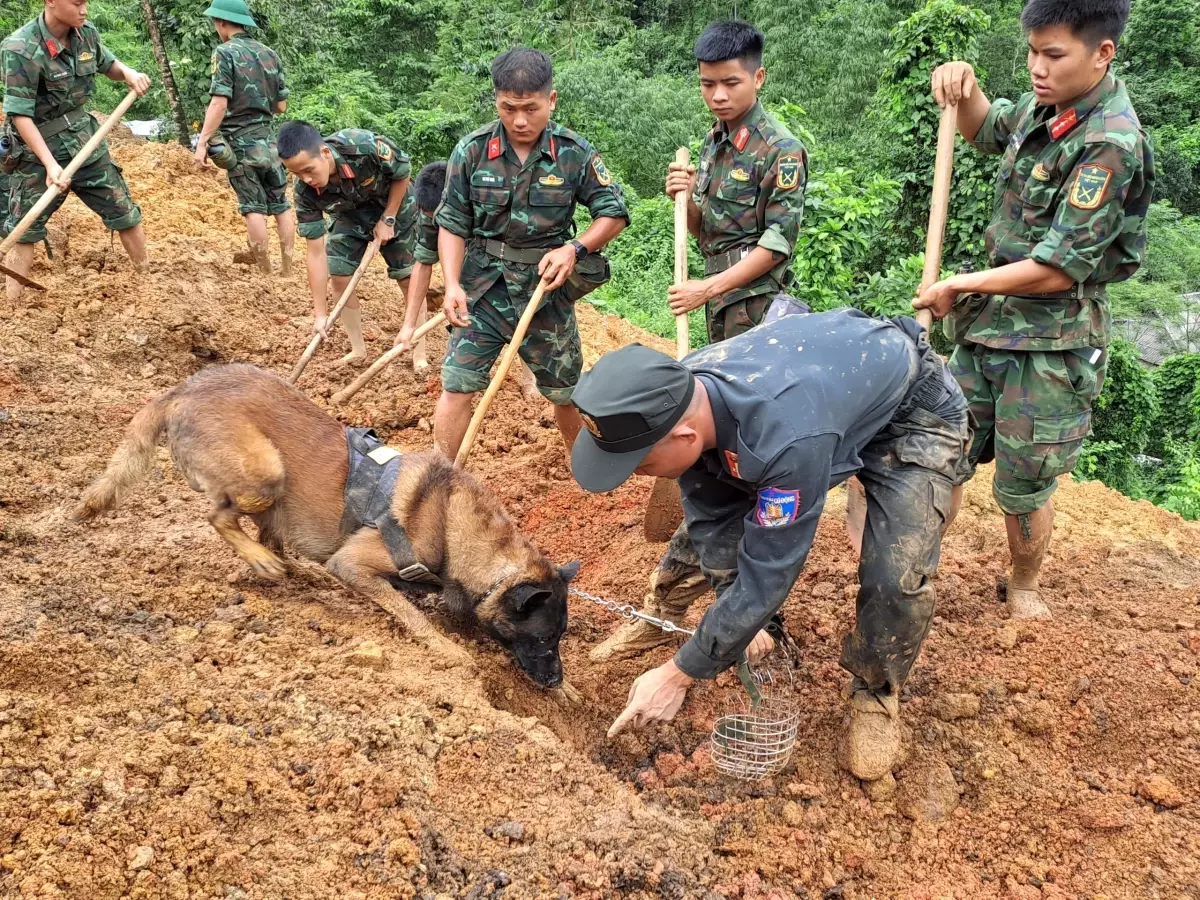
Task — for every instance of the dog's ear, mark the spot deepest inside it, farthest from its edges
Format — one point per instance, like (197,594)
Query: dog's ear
(526,596)
(568,572)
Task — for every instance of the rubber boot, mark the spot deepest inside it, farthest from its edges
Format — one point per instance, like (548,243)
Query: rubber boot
(674,587)
(871,737)
(1028,540)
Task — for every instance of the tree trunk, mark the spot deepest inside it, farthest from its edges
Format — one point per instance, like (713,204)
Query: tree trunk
(164,66)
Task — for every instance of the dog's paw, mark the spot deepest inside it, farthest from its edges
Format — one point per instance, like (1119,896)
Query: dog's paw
(566,696)
(269,567)
(450,653)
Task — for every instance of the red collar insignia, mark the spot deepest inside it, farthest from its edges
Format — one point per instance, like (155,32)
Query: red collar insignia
(52,46)
(553,149)
(1064,123)
(494,148)
(731,461)
(739,139)
(347,172)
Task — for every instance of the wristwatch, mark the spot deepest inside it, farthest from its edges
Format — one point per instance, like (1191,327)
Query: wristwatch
(389,221)
(580,250)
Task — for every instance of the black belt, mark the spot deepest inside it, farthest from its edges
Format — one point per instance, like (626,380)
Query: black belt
(61,123)
(1075,292)
(529,256)
(719,262)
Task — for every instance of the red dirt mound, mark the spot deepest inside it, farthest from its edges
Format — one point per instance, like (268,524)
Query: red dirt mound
(171,727)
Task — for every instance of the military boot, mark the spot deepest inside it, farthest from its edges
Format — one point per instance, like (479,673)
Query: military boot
(674,586)
(871,738)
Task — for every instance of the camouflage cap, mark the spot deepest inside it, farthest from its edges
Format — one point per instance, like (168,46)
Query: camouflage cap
(235,11)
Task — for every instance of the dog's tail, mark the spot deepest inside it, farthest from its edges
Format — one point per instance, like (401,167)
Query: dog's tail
(130,462)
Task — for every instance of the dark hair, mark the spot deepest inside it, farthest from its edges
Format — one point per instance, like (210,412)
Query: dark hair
(731,39)
(429,186)
(1090,20)
(522,70)
(297,136)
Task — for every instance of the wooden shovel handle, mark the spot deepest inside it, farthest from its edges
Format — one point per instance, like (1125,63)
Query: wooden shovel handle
(71,168)
(939,206)
(386,360)
(311,349)
(506,360)
(682,344)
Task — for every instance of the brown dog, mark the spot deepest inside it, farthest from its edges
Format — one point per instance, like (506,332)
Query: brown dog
(259,448)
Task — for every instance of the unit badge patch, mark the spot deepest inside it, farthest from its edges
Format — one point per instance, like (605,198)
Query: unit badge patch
(601,173)
(789,172)
(382,149)
(777,508)
(1090,184)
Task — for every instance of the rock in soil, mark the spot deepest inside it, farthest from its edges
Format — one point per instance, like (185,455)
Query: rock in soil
(927,792)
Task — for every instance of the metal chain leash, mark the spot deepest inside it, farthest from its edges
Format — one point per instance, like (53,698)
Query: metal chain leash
(626,611)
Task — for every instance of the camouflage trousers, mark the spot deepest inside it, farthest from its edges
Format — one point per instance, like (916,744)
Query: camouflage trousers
(735,318)
(99,184)
(349,236)
(551,347)
(1032,412)
(259,178)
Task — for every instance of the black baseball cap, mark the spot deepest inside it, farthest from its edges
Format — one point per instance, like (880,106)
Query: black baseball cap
(629,401)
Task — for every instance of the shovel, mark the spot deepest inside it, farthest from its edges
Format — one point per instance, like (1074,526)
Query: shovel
(47,198)
(372,248)
(664,510)
(506,361)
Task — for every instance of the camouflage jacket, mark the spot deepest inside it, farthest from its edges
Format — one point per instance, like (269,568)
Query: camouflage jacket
(250,75)
(750,190)
(366,165)
(426,250)
(490,194)
(45,79)
(1072,192)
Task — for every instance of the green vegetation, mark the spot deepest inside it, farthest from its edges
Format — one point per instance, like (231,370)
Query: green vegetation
(849,76)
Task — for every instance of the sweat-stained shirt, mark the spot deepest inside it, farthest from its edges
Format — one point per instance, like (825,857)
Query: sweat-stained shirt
(795,401)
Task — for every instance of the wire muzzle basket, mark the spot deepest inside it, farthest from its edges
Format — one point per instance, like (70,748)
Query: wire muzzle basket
(757,741)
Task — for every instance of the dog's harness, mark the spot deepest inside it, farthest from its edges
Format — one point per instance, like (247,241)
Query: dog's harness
(370,483)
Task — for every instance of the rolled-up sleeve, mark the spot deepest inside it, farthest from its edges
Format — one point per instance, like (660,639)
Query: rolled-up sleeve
(455,213)
(222,75)
(997,127)
(772,532)
(426,250)
(310,220)
(20,84)
(785,209)
(1091,214)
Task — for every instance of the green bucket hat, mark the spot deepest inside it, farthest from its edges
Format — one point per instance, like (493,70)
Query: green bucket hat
(231,11)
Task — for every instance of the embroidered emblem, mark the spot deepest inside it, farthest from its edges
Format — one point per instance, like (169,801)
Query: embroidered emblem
(739,139)
(212,69)
(731,463)
(739,174)
(789,172)
(591,425)
(777,508)
(1040,173)
(1063,123)
(367,182)
(550,180)
(86,56)
(601,173)
(382,150)
(494,148)
(1088,190)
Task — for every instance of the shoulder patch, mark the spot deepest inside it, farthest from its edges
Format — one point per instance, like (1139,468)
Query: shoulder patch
(383,150)
(1090,185)
(789,172)
(212,68)
(777,508)
(742,136)
(602,174)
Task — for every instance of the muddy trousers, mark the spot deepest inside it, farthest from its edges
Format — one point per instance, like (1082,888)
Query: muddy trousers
(908,473)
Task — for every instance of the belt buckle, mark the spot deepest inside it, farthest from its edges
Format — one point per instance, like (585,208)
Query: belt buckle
(417,572)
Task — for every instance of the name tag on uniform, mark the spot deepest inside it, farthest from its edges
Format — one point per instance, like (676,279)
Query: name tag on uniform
(486,178)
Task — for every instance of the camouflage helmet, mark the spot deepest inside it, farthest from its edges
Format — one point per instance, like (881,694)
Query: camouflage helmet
(235,11)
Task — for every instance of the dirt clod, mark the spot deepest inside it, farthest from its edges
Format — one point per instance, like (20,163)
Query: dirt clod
(952,707)
(927,792)
(1160,790)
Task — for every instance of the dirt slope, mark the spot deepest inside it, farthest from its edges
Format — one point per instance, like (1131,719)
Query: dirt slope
(172,727)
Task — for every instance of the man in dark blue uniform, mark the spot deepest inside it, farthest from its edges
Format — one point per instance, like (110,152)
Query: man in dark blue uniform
(757,429)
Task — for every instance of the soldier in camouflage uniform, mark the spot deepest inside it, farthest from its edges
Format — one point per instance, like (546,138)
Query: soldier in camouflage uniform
(428,187)
(50,67)
(361,179)
(1074,187)
(247,90)
(506,219)
(745,209)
